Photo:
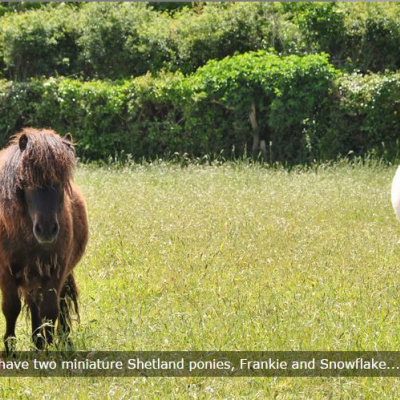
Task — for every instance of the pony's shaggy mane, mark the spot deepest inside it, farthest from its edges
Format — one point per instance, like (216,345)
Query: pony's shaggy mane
(47,161)
(40,272)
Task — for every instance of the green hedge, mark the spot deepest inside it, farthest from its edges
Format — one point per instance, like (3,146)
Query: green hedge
(121,40)
(363,36)
(287,92)
(39,43)
(136,116)
(306,110)
(364,117)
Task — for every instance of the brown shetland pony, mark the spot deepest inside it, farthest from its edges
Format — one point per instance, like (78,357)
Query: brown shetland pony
(43,232)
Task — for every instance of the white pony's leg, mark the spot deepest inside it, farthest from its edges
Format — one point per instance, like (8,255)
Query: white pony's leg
(396,193)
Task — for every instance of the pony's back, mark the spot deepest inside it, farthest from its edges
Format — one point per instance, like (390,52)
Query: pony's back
(396,193)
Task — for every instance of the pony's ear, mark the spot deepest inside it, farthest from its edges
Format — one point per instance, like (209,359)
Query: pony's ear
(67,139)
(23,141)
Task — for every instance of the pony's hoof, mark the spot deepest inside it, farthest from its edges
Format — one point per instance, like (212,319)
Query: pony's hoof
(10,345)
(39,341)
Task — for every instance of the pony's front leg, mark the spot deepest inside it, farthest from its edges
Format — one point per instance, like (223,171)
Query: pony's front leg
(11,306)
(49,312)
(37,335)
(44,314)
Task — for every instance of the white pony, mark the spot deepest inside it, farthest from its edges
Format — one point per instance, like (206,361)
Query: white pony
(396,193)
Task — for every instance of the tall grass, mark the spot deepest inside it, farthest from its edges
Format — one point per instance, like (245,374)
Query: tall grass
(235,257)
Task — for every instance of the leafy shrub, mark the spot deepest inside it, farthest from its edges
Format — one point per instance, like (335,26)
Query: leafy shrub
(104,118)
(288,93)
(364,116)
(362,36)
(201,114)
(374,32)
(120,40)
(223,29)
(113,39)
(39,43)
(305,109)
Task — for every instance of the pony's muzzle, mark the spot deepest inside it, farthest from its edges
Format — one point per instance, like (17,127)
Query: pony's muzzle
(46,232)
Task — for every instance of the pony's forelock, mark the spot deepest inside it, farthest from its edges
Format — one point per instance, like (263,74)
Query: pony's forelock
(47,160)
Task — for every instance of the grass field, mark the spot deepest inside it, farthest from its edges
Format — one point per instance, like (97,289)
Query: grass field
(233,258)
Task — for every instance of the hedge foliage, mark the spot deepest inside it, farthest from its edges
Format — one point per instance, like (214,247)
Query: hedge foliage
(305,107)
(363,36)
(364,117)
(155,79)
(288,93)
(121,40)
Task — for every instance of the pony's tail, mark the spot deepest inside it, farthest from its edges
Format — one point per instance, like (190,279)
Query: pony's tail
(69,300)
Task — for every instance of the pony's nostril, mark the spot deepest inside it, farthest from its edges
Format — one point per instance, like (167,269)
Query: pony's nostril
(38,229)
(54,229)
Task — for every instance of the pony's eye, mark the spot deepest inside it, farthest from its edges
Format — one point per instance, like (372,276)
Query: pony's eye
(20,194)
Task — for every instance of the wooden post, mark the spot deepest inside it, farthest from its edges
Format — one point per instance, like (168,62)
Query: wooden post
(254,127)
(257,144)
